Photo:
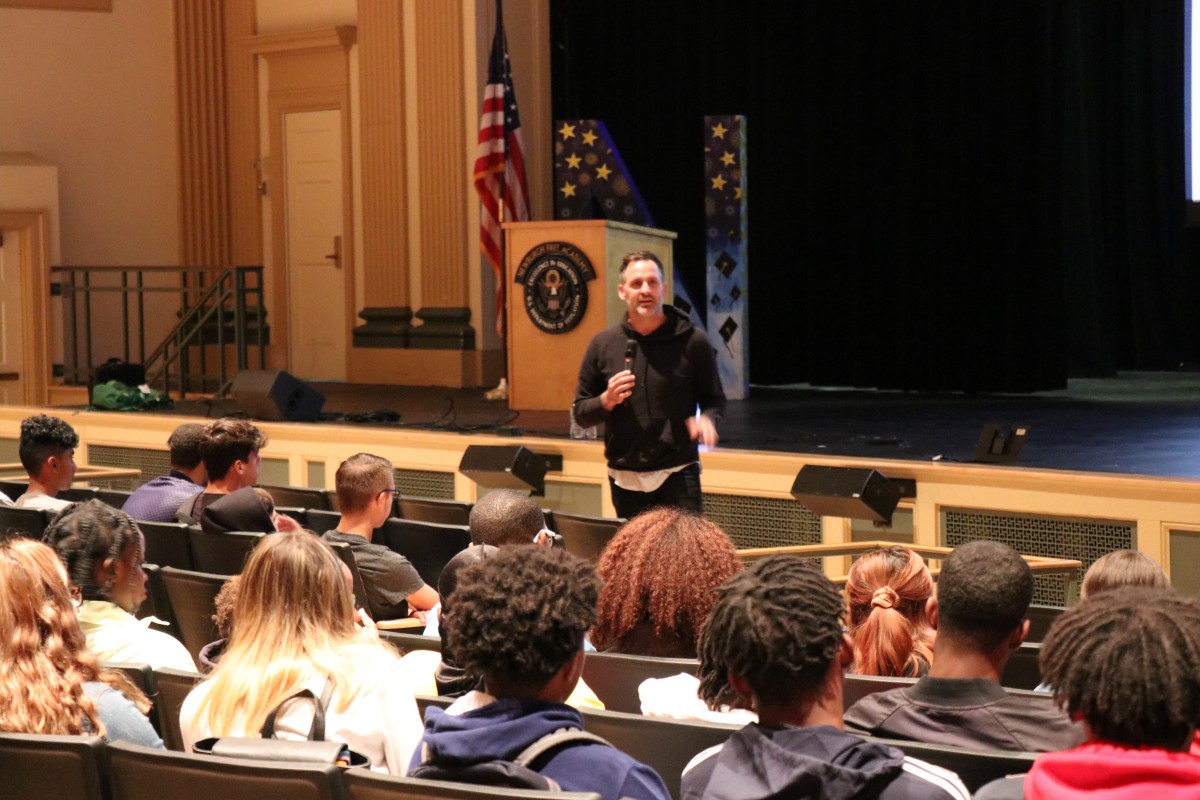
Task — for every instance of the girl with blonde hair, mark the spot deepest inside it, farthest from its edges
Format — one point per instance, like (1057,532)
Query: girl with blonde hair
(50,681)
(294,629)
(888,589)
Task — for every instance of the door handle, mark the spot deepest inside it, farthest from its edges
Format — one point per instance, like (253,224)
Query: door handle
(336,255)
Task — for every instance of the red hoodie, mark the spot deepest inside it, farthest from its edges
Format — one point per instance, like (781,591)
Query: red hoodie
(1099,770)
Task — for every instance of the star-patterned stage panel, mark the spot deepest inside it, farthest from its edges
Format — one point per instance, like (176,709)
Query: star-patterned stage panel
(725,248)
(590,179)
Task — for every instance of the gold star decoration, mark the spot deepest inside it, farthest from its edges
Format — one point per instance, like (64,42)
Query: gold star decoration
(718,183)
(737,193)
(719,131)
(589,137)
(573,162)
(567,131)
(568,189)
(728,159)
(603,172)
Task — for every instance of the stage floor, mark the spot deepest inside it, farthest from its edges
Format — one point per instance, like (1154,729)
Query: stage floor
(1136,423)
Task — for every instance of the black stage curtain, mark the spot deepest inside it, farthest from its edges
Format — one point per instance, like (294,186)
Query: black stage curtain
(943,195)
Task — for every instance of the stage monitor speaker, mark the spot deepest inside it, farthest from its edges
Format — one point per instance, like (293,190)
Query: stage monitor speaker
(276,395)
(505,467)
(846,492)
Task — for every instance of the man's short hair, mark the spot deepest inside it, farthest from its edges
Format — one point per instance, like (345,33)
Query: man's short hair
(185,444)
(983,593)
(505,517)
(778,626)
(519,616)
(1128,662)
(227,441)
(360,479)
(43,436)
(640,255)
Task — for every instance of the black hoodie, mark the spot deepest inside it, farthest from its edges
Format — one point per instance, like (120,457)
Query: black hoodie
(676,370)
(758,763)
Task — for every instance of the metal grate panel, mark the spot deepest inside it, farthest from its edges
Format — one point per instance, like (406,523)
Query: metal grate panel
(152,463)
(425,483)
(763,521)
(1062,537)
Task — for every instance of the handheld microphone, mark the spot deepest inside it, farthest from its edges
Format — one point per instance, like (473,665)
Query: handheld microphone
(630,352)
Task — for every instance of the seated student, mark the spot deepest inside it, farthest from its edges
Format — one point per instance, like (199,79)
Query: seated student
(888,590)
(158,499)
(211,653)
(503,517)
(1122,568)
(1128,663)
(47,451)
(979,613)
(294,628)
(249,509)
(366,485)
(519,618)
(103,553)
(774,643)
(659,572)
(50,681)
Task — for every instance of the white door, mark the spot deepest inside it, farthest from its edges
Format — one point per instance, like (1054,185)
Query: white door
(316,277)
(11,388)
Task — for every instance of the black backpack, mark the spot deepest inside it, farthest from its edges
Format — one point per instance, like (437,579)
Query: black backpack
(519,773)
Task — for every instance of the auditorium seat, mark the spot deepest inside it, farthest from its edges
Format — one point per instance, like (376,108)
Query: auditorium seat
(322,521)
(407,641)
(49,767)
(363,784)
(144,773)
(856,687)
(615,677)
(79,494)
(425,701)
(13,488)
(298,497)
(427,545)
(974,767)
(424,509)
(167,544)
(173,686)
(31,522)
(193,601)
(1040,620)
(585,536)
(667,745)
(1022,671)
(221,553)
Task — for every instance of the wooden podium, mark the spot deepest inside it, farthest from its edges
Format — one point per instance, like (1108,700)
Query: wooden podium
(543,366)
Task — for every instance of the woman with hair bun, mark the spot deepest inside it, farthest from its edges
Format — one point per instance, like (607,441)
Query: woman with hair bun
(888,589)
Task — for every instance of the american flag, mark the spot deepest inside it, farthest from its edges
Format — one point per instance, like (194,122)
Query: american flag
(500,161)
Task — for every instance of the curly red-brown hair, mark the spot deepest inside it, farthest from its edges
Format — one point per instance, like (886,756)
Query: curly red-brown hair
(887,589)
(662,566)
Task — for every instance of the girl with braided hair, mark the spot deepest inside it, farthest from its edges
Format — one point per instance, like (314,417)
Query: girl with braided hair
(1126,662)
(888,589)
(49,680)
(102,550)
(774,643)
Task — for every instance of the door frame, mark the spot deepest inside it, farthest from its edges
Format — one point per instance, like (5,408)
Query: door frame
(31,229)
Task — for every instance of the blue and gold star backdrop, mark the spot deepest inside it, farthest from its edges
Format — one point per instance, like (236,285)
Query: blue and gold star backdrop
(725,249)
(590,179)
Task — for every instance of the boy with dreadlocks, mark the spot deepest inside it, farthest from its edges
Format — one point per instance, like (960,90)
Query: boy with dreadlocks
(774,643)
(1127,662)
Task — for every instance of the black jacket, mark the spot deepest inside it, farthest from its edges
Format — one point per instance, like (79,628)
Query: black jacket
(676,370)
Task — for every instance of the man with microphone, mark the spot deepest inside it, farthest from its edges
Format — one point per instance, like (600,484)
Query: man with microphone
(644,379)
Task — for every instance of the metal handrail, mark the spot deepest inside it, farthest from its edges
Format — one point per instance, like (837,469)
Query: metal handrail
(208,297)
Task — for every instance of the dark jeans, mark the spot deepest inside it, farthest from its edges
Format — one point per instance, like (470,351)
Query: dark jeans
(681,489)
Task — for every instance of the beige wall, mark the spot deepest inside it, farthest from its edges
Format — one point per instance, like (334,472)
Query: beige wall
(94,94)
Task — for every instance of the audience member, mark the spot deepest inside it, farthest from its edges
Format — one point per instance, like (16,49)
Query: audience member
(366,486)
(503,517)
(518,618)
(47,452)
(223,603)
(1127,662)
(158,499)
(888,589)
(1122,568)
(49,680)
(103,553)
(659,572)
(230,450)
(774,643)
(241,510)
(294,629)
(979,613)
